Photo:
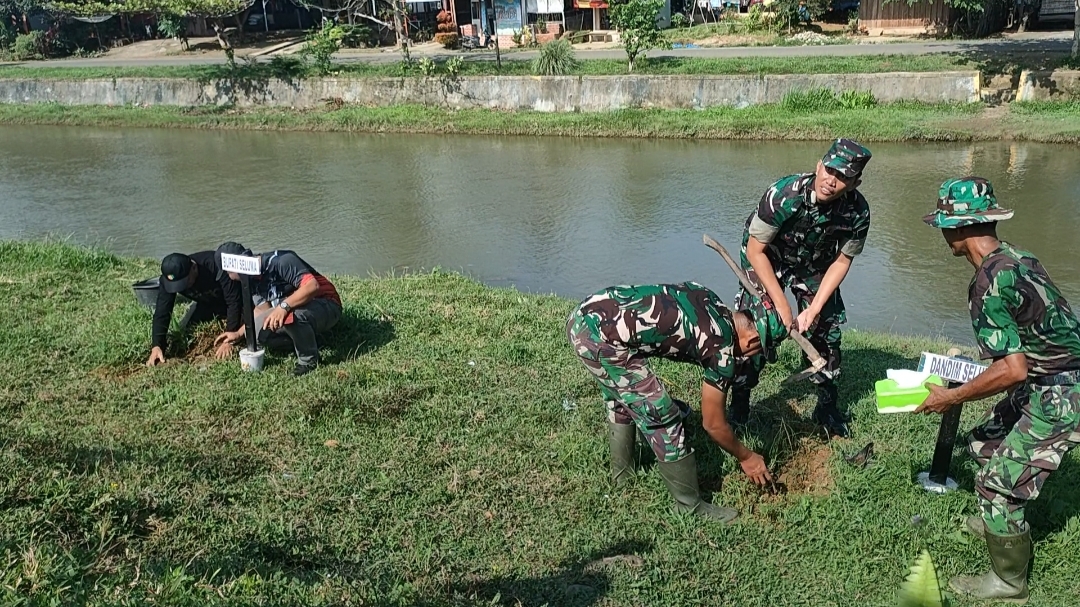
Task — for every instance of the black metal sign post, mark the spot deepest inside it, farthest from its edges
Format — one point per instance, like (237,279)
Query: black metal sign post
(937,480)
(251,359)
(249,312)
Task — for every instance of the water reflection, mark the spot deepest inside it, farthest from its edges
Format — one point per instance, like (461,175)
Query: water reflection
(552,215)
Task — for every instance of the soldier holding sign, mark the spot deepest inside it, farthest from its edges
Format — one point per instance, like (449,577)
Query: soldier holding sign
(1023,323)
(615,331)
(803,236)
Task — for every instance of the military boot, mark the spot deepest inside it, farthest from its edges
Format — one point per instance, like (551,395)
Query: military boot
(1007,578)
(738,407)
(682,481)
(826,412)
(622,439)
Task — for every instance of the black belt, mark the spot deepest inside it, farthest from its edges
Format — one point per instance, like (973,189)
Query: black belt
(1067,378)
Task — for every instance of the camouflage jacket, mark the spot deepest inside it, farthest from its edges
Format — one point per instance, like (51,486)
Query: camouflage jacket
(1015,308)
(804,238)
(684,322)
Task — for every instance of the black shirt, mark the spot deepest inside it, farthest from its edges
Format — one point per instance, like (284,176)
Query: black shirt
(207,291)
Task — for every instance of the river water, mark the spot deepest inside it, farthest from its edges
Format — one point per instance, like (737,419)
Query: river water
(551,215)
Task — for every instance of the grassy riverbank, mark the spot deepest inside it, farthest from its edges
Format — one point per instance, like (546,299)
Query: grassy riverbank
(467,466)
(986,63)
(805,117)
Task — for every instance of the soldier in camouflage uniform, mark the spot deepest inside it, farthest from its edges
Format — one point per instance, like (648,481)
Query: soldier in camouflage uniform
(615,331)
(803,236)
(1022,322)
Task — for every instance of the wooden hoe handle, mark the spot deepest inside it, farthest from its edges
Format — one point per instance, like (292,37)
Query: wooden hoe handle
(811,352)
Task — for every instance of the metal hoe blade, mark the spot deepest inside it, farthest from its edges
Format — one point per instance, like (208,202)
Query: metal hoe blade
(817,363)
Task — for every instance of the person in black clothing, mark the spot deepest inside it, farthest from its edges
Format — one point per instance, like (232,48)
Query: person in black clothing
(196,277)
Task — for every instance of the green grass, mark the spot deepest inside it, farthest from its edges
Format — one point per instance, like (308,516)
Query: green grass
(803,117)
(656,65)
(458,477)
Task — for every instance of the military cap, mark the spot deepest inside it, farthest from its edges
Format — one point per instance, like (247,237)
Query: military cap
(966,201)
(847,157)
(771,330)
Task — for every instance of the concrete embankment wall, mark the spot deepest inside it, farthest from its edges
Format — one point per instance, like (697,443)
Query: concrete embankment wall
(547,94)
(1048,86)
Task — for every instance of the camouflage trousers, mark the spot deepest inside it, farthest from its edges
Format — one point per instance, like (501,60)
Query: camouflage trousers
(825,336)
(1017,444)
(632,392)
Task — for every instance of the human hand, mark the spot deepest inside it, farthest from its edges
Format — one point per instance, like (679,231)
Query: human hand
(806,320)
(939,400)
(157,357)
(227,337)
(275,319)
(754,467)
(224,350)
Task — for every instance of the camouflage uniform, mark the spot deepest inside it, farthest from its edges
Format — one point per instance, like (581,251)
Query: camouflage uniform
(616,330)
(1015,308)
(803,239)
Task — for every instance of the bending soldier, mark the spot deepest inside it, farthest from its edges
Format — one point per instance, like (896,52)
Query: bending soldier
(614,333)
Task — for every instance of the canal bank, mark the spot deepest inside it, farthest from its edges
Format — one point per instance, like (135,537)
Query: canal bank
(801,116)
(438,395)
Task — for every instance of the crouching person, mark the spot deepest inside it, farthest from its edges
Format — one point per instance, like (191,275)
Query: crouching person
(291,298)
(615,331)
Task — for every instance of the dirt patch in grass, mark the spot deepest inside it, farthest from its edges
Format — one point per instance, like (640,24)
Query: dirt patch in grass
(202,346)
(117,373)
(807,472)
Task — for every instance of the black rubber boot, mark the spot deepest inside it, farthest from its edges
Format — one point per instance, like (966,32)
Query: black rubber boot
(1007,578)
(826,412)
(682,481)
(621,438)
(738,407)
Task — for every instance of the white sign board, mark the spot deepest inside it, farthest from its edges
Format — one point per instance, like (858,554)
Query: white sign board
(950,369)
(252,266)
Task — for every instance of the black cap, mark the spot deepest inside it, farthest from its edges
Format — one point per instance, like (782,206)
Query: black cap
(232,248)
(175,269)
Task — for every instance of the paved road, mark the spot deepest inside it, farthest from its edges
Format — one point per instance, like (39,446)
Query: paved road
(1044,42)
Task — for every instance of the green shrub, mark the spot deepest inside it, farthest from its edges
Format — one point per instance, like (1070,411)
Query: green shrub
(825,100)
(172,26)
(29,46)
(321,44)
(356,36)
(556,58)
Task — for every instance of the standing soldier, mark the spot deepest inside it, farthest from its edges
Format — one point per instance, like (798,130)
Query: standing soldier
(1022,322)
(803,236)
(616,330)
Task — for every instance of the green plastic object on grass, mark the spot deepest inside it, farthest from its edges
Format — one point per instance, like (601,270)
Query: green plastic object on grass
(891,398)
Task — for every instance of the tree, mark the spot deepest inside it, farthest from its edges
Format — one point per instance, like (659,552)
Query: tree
(636,22)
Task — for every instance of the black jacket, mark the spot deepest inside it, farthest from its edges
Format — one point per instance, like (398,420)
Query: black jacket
(221,296)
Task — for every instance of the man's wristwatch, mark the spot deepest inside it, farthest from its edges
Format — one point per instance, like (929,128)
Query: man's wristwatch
(284,305)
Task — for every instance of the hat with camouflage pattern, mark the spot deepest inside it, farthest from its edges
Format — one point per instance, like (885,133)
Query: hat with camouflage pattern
(771,330)
(966,201)
(847,156)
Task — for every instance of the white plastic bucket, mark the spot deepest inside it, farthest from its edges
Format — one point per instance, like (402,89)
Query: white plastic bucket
(252,361)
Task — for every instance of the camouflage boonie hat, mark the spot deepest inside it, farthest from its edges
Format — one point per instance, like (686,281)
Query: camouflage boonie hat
(771,330)
(847,156)
(964,202)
